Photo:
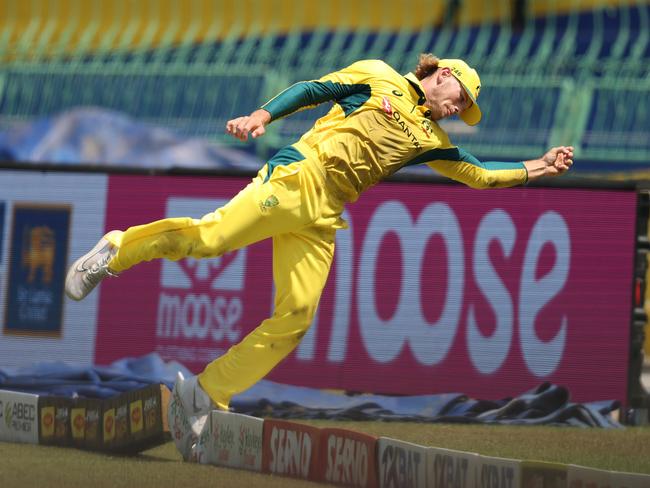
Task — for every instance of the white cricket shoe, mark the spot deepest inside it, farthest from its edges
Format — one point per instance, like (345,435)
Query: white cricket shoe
(91,268)
(189,407)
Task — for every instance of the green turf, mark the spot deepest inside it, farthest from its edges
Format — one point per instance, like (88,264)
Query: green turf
(36,466)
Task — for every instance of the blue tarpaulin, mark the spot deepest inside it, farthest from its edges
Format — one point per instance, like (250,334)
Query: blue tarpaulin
(107,138)
(546,404)
(101,137)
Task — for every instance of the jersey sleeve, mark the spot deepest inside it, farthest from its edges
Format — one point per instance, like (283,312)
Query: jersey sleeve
(335,86)
(461,166)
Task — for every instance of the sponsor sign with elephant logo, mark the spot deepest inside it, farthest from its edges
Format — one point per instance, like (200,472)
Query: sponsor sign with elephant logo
(37,265)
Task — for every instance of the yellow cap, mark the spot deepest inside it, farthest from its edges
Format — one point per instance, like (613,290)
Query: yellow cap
(469,80)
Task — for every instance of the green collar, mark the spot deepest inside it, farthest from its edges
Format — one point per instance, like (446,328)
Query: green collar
(417,86)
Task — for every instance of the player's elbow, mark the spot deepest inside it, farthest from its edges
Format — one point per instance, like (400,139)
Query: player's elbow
(484,180)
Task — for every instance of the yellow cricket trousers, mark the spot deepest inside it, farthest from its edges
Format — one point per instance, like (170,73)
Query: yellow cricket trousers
(295,209)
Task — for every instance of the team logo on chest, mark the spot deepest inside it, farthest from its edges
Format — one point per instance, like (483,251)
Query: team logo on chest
(427,127)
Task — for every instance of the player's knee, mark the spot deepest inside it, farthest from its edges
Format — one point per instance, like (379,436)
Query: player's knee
(302,316)
(297,318)
(220,246)
(213,243)
(303,311)
(166,246)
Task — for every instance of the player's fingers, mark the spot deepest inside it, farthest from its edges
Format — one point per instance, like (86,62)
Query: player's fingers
(242,129)
(233,122)
(259,131)
(553,153)
(568,162)
(561,162)
(232,126)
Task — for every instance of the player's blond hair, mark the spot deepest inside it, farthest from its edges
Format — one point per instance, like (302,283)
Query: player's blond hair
(427,64)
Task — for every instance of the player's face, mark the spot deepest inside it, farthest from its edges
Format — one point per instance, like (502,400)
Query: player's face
(446,96)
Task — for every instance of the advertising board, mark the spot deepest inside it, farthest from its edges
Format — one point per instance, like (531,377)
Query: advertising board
(434,288)
(46,221)
(18,417)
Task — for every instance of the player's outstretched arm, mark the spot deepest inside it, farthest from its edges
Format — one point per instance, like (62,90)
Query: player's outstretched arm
(253,124)
(555,162)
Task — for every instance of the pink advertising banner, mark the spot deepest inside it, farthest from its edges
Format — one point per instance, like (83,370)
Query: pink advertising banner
(434,289)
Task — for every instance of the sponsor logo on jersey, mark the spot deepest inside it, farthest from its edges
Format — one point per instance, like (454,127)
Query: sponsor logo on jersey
(386,106)
(406,129)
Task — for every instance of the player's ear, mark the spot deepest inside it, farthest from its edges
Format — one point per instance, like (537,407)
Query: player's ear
(441,75)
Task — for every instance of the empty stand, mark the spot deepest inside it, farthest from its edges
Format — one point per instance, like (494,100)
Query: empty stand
(558,72)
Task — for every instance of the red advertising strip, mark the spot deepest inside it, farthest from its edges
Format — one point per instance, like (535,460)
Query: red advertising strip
(434,289)
(291,449)
(348,458)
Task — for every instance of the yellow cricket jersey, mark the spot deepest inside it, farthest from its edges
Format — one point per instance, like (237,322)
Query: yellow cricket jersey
(378,124)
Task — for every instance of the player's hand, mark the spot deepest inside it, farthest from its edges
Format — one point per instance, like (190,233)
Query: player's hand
(558,160)
(252,124)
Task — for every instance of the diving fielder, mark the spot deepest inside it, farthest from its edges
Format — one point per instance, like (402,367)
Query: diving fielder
(381,121)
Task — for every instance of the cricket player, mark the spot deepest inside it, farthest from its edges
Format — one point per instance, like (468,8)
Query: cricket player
(380,122)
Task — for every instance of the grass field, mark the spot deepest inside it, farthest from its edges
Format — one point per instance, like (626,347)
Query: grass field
(24,466)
